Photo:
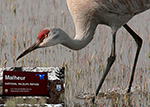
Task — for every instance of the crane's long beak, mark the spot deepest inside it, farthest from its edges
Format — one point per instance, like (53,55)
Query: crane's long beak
(31,48)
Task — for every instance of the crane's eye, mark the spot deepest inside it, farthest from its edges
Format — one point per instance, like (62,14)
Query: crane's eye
(45,35)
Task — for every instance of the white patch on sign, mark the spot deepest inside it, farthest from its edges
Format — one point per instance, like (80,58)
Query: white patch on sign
(6,90)
(58,87)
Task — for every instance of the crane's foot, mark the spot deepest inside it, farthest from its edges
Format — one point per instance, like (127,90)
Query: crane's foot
(93,99)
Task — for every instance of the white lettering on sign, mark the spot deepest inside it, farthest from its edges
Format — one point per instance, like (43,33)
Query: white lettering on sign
(14,77)
(23,84)
(10,83)
(20,89)
(34,84)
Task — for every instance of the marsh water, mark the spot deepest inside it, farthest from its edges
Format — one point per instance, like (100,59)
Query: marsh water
(20,23)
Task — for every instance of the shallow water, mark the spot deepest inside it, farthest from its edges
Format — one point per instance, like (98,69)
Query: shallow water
(20,23)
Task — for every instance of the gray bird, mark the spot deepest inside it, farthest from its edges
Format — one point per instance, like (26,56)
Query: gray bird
(87,14)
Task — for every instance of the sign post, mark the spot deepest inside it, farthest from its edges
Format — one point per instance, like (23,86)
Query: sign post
(25,83)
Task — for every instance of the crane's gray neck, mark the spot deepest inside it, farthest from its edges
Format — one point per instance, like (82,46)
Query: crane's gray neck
(76,44)
(81,39)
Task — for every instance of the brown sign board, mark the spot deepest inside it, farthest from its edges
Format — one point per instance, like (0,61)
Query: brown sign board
(25,83)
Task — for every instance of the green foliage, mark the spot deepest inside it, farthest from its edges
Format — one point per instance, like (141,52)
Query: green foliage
(148,55)
(62,97)
(12,102)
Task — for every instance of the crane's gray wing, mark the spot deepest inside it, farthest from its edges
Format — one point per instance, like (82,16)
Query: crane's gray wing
(124,6)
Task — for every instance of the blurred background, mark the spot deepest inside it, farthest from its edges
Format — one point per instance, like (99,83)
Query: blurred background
(22,20)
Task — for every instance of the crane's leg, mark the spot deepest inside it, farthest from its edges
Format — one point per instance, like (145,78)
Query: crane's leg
(138,40)
(110,61)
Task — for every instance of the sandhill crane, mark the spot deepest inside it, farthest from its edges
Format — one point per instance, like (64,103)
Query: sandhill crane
(87,14)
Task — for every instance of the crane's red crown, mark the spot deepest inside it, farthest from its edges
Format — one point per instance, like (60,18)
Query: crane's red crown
(43,34)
